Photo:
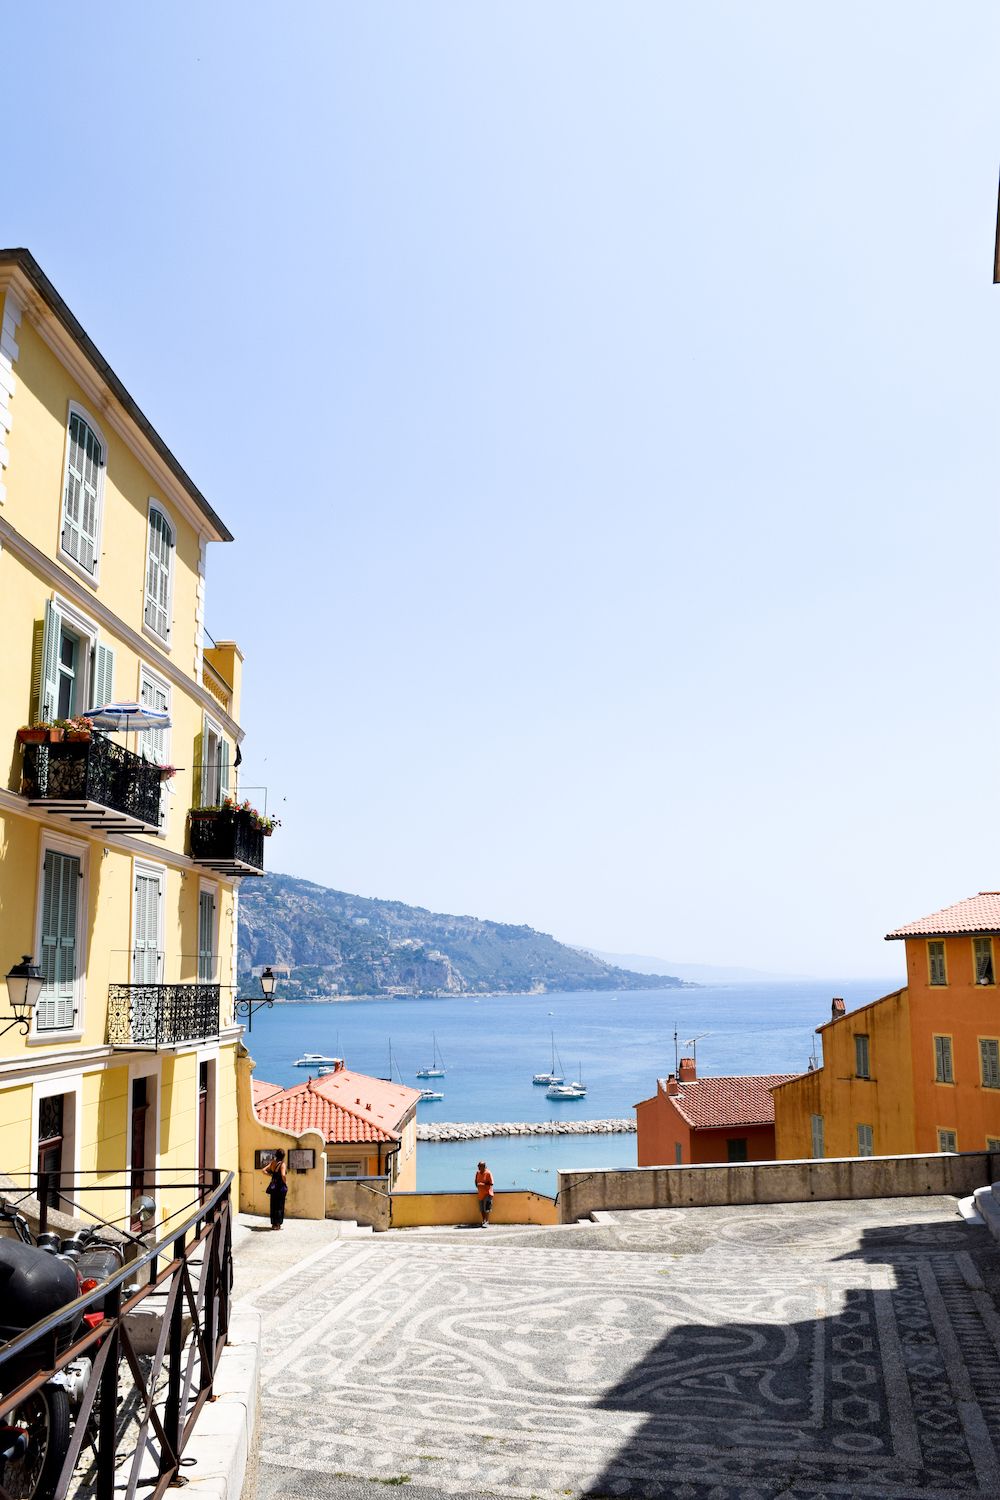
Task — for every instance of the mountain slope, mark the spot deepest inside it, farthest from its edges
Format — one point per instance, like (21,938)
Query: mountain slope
(335,943)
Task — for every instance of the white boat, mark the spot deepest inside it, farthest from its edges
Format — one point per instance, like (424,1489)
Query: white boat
(577,1090)
(552,1076)
(316,1060)
(436,1070)
(566,1091)
(430,1095)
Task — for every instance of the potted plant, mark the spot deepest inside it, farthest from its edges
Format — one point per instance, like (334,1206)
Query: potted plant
(166,772)
(34,734)
(78,729)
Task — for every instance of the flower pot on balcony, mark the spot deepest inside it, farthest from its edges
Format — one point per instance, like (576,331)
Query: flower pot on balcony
(28,736)
(56,736)
(78,736)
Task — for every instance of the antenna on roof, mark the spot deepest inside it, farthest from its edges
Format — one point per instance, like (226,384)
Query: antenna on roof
(693,1041)
(813,1059)
(677,1060)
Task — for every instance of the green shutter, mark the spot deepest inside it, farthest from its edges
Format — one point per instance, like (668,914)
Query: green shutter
(224,787)
(60,883)
(206,936)
(199,781)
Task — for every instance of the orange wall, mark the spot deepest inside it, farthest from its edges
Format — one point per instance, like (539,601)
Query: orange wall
(966,1012)
(661,1129)
(884,1101)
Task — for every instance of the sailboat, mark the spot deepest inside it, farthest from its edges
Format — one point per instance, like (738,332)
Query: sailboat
(436,1070)
(551,1076)
(576,1090)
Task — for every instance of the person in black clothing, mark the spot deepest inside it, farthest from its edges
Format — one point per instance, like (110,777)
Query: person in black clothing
(277,1188)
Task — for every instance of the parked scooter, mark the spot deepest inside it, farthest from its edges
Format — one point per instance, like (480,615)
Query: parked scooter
(36,1279)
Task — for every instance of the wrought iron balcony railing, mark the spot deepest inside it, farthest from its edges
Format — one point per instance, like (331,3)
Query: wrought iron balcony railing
(227,840)
(94,781)
(161,1015)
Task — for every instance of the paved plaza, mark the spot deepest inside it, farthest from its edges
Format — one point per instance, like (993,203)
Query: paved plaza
(801,1350)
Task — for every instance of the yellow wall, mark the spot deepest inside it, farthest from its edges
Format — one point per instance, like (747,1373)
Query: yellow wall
(412,1210)
(885,1101)
(78,1061)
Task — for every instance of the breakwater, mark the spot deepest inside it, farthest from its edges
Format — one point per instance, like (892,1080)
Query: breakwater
(476,1130)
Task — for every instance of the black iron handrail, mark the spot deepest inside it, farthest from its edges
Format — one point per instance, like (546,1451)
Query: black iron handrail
(226,836)
(166,1420)
(98,771)
(160,1015)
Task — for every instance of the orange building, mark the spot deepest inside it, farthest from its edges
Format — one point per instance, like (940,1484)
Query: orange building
(691,1120)
(918,1070)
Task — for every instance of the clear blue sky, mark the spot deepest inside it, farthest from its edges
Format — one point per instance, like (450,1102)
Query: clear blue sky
(604,399)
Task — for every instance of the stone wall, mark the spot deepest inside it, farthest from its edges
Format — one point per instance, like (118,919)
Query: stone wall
(581,1193)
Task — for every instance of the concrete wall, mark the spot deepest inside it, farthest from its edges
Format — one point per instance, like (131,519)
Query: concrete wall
(366,1201)
(580,1193)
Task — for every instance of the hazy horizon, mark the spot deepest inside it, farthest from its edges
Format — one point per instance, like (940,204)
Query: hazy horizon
(604,404)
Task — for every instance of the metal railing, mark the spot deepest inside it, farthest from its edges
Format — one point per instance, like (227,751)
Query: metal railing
(138,1411)
(227,841)
(95,773)
(162,1015)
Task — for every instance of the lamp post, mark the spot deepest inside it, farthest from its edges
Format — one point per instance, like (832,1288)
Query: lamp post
(246,1006)
(24,985)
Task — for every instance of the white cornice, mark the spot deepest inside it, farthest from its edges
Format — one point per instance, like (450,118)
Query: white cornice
(124,843)
(71,356)
(64,580)
(16,1071)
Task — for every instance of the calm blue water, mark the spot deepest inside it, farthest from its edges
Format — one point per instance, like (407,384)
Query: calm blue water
(491,1046)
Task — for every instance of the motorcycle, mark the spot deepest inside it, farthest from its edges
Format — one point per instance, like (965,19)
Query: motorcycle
(37,1277)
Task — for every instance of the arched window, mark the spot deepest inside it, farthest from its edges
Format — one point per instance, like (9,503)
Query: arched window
(82,497)
(159,573)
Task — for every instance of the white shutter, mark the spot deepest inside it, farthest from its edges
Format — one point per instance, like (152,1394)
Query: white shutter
(57,1003)
(48,687)
(82,498)
(146,952)
(104,676)
(154,695)
(158,566)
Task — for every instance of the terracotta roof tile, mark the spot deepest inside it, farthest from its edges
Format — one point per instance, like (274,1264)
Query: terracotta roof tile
(977,914)
(261,1090)
(709,1103)
(344,1107)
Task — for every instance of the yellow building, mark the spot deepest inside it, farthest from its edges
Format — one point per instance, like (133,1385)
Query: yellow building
(126,900)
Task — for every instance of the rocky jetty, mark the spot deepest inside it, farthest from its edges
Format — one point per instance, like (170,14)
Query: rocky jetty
(476,1130)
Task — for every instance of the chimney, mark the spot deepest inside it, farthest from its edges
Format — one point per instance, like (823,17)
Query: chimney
(673,1087)
(687,1072)
(837,1009)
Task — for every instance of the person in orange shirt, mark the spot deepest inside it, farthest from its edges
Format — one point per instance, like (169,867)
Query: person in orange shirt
(484,1187)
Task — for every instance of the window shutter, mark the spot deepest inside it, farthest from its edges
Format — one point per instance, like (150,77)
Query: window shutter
(158,567)
(56,1004)
(147,929)
(199,782)
(224,768)
(82,497)
(47,696)
(104,676)
(206,936)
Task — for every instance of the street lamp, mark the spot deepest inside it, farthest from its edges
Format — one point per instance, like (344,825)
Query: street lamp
(246,1006)
(24,985)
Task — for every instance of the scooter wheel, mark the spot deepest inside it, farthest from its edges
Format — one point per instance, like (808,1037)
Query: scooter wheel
(40,1428)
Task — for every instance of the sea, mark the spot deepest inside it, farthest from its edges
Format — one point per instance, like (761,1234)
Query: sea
(618,1043)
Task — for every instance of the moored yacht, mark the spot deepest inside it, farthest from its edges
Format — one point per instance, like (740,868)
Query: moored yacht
(316,1060)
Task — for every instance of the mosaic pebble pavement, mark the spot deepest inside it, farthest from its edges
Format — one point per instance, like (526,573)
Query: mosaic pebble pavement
(797,1351)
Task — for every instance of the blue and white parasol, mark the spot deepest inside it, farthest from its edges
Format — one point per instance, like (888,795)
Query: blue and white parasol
(123,718)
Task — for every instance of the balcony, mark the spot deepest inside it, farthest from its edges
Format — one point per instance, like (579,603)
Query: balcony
(151,1016)
(94,781)
(227,840)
